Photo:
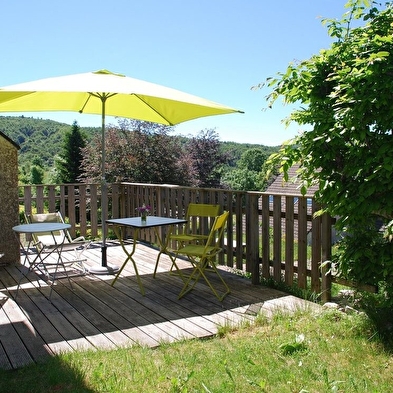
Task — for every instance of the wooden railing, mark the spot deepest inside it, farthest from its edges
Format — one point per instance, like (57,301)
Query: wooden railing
(270,236)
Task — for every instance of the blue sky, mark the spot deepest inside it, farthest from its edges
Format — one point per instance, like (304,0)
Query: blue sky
(217,49)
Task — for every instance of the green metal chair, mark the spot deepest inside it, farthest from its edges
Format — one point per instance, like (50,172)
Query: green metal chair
(203,259)
(200,217)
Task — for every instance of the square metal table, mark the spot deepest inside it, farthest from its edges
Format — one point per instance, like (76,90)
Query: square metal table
(120,225)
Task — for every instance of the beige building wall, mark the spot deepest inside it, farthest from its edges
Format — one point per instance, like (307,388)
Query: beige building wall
(9,207)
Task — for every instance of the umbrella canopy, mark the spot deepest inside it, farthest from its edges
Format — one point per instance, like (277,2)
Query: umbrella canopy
(106,93)
(123,97)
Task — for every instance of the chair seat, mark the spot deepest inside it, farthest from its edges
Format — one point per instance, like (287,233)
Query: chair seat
(198,250)
(188,238)
(49,240)
(199,217)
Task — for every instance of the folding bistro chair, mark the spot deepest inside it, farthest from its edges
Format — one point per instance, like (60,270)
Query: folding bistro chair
(200,217)
(202,258)
(44,242)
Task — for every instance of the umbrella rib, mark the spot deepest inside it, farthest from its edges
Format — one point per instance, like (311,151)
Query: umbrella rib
(101,96)
(155,111)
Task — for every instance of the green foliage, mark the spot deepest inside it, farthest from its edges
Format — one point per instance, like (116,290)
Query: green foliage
(137,152)
(293,346)
(250,171)
(253,159)
(241,179)
(37,138)
(207,158)
(36,175)
(69,162)
(365,256)
(345,93)
(235,150)
(151,154)
(379,308)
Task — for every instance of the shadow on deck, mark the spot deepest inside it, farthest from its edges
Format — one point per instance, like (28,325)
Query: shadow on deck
(93,314)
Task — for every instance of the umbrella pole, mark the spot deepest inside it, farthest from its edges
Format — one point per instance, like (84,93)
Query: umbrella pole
(104,190)
(104,268)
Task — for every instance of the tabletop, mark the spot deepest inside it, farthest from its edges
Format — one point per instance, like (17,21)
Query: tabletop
(41,227)
(151,221)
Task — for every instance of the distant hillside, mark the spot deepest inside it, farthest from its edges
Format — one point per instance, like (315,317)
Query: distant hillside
(37,137)
(43,139)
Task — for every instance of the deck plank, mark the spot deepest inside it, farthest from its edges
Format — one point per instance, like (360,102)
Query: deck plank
(94,314)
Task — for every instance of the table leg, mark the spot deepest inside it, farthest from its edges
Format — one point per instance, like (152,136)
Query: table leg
(119,233)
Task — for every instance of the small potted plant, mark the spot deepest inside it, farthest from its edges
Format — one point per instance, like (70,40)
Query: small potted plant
(144,211)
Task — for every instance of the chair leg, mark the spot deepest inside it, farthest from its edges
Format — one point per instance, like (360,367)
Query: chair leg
(198,272)
(194,277)
(227,290)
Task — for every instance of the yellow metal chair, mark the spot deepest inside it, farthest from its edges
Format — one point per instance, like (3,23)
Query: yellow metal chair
(202,258)
(46,241)
(200,217)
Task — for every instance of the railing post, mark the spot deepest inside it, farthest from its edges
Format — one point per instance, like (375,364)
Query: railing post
(27,199)
(252,236)
(326,258)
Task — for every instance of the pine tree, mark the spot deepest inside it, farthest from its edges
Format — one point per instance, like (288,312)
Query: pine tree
(69,162)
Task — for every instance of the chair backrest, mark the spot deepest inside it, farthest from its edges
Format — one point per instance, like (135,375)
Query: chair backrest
(46,238)
(200,218)
(217,231)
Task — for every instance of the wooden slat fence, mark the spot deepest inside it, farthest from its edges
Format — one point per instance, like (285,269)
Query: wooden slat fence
(270,236)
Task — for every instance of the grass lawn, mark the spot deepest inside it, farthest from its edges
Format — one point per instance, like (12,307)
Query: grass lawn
(305,352)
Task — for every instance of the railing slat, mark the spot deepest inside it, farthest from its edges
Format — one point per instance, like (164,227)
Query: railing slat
(71,208)
(265,236)
(277,237)
(316,252)
(302,243)
(40,198)
(289,240)
(82,208)
(94,209)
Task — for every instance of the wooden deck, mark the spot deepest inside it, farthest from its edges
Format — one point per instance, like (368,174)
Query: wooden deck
(93,314)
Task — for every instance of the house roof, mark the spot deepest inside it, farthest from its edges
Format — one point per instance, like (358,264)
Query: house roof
(9,140)
(291,187)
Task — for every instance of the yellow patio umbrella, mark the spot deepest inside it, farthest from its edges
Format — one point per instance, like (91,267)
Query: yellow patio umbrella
(107,93)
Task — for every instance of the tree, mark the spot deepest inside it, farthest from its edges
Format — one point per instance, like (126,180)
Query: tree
(36,175)
(346,96)
(241,179)
(138,151)
(68,164)
(204,150)
(249,172)
(253,159)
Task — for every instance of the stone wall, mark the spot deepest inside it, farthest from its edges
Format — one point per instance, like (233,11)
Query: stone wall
(9,206)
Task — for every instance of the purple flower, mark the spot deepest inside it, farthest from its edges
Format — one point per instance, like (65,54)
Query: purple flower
(144,209)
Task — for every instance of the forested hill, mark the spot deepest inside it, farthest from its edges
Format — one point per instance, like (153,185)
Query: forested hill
(37,137)
(42,139)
